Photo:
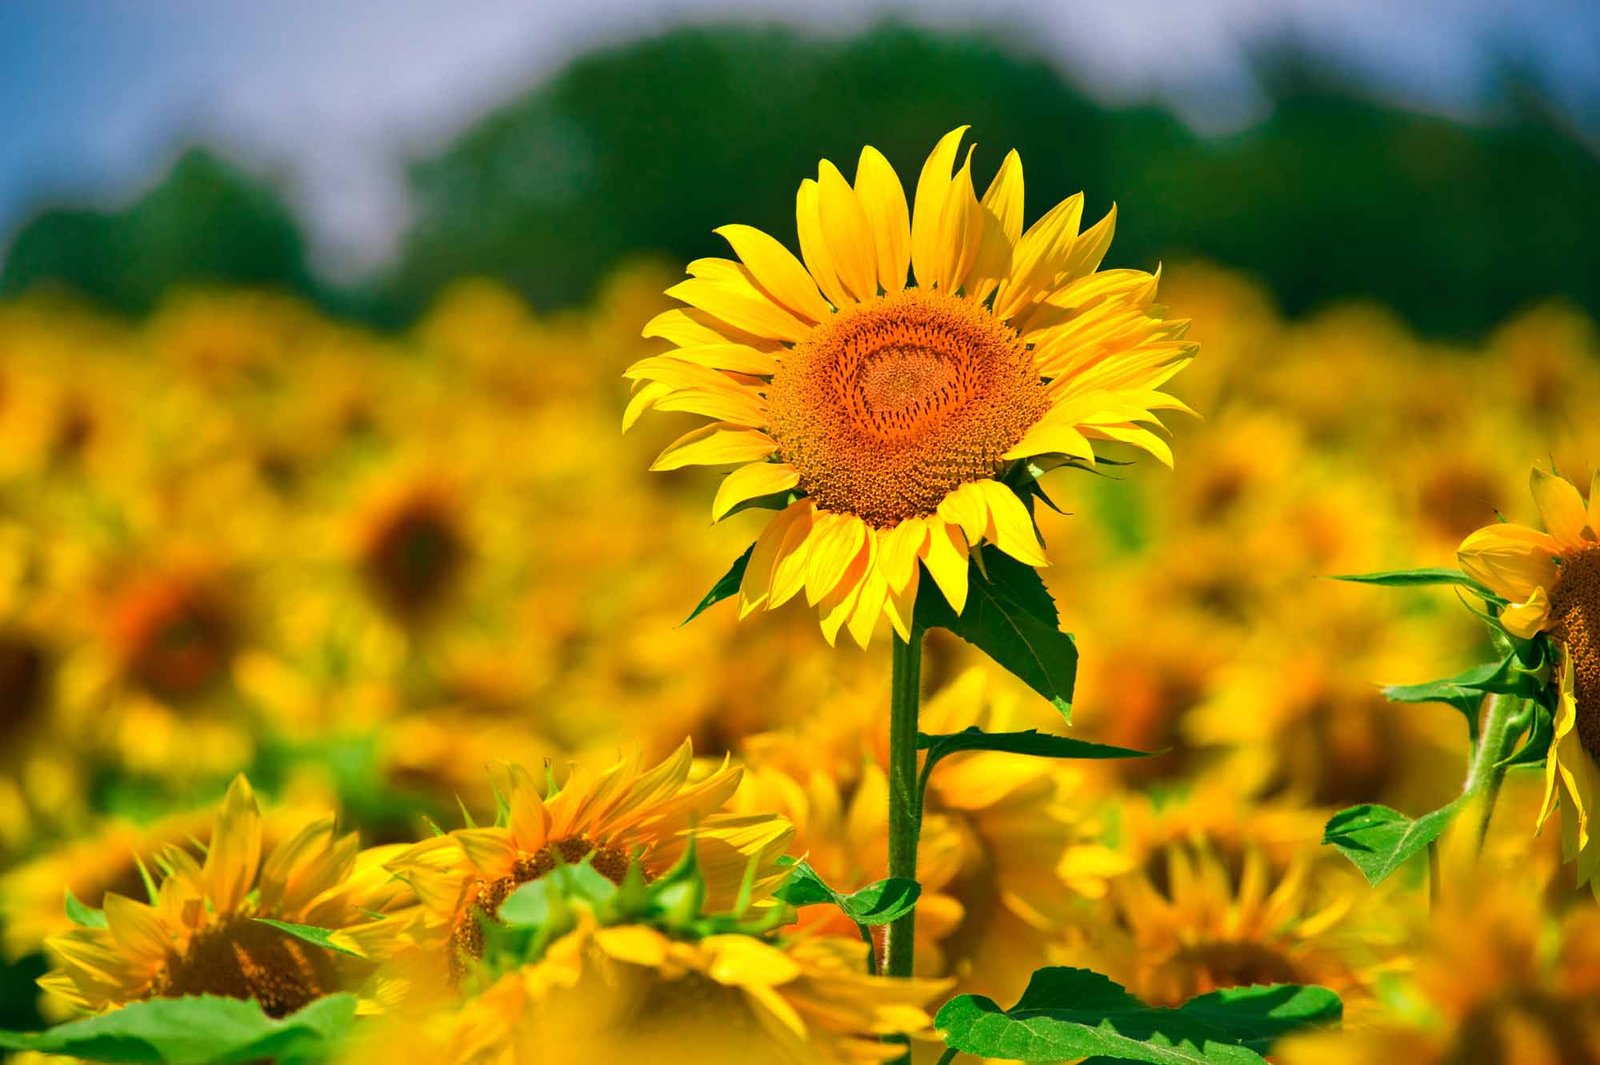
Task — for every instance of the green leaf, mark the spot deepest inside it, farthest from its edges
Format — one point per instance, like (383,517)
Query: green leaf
(321,937)
(1010,616)
(726,587)
(1257,1016)
(1413,578)
(84,915)
(877,903)
(1379,840)
(1067,1014)
(197,1030)
(1039,744)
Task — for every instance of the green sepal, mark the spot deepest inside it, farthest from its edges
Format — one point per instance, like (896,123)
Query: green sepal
(726,587)
(196,1030)
(82,914)
(320,937)
(1010,616)
(1415,578)
(1378,840)
(1071,1014)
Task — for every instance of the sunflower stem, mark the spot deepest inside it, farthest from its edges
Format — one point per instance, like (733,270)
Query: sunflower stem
(905,802)
(1503,723)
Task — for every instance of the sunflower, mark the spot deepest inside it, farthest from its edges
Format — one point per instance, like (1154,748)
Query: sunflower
(611,818)
(1497,980)
(630,992)
(203,933)
(1551,581)
(882,419)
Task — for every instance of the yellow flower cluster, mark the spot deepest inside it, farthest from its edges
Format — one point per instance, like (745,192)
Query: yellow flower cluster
(360,569)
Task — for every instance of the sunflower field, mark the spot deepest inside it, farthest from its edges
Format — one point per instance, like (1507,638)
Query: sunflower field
(687,676)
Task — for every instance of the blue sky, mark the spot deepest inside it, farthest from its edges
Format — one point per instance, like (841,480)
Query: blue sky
(330,98)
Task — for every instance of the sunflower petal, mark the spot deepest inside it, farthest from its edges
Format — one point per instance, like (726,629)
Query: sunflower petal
(814,244)
(777,271)
(717,444)
(851,244)
(1513,560)
(883,198)
(1561,507)
(927,250)
(752,482)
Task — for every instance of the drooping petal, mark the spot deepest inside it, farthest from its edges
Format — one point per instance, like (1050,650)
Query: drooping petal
(945,555)
(838,540)
(1527,619)
(772,544)
(883,198)
(752,482)
(1010,527)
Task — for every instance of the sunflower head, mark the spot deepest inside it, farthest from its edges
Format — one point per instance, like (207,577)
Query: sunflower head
(202,930)
(609,820)
(24,680)
(176,633)
(895,421)
(413,550)
(1549,580)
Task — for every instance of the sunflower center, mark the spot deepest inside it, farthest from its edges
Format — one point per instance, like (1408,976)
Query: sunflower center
(487,898)
(1575,605)
(889,407)
(177,637)
(243,958)
(413,557)
(23,680)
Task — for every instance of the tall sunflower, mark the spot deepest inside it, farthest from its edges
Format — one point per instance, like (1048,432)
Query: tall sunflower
(883,420)
(1551,580)
(203,933)
(625,813)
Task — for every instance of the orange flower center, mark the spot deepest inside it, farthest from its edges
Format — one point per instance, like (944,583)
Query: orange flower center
(1575,606)
(488,896)
(889,407)
(177,636)
(242,958)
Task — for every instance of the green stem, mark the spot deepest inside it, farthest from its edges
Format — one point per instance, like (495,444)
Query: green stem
(905,806)
(1503,723)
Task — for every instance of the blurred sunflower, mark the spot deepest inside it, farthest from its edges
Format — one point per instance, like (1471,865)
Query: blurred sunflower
(203,931)
(1497,981)
(624,814)
(1552,582)
(632,993)
(881,419)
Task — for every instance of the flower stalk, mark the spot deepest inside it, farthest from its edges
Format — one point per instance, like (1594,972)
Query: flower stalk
(1504,720)
(905,798)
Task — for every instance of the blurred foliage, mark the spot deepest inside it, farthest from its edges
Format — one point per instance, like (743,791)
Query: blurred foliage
(206,221)
(648,146)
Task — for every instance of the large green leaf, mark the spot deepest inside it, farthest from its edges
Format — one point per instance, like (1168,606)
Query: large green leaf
(1379,840)
(1010,616)
(878,903)
(1413,578)
(1067,1014)
(1256,1016)
(726,587)
(198,1030)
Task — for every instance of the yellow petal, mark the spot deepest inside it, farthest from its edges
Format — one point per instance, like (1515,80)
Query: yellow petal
(837,606)
(1562,509)
(900,605)
(234,855)
(836,542)
(752,482)
(814,245)
(945,555)
(898,550)
(960,230)
(1010,528)
(1513,560)
(927,253)
(770,546)
(1036,257)
(868,606)
(1002,227)
(137,928)
(1529,618)
(741,304)
(851,246)
(777,271)
(717,444)
(883,199)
